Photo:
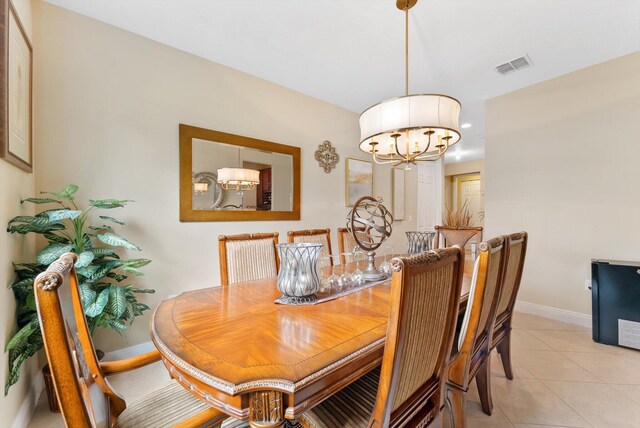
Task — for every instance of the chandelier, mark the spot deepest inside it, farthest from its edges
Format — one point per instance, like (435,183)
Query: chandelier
(410,128)
(238,179)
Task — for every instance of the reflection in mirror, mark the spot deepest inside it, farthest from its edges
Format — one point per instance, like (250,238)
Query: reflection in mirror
(228,177)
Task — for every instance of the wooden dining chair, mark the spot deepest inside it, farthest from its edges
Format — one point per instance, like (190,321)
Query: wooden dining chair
(313,236)
(407,390)
(86,399)
(449,236)
(472,358)
(247,257)
(346,243)
(516,250)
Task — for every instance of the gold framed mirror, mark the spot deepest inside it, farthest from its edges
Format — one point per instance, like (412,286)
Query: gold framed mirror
(228,177)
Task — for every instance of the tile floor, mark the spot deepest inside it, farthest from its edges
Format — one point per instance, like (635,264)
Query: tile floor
(562,379)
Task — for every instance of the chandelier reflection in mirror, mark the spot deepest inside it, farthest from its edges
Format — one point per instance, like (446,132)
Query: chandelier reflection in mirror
(411,128)
(238,179)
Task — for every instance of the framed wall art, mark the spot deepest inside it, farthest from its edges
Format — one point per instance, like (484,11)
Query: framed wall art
(16,72)
(397,193)
(359,180)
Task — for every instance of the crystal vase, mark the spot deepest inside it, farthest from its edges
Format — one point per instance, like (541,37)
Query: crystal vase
(419,242)
(298,278)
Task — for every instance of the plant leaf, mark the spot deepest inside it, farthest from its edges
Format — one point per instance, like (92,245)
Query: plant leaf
(39,200)
(28,228)
(87,294)
(97,306)
(118,277)
(84,259)
(108,203)
(36,221)
(133,271)
(52,237)
(51,252)
(31,301)
(58,215)
(88,271)
(137,263)
(100,252)
(142,290)
(103,227)
(70,189)
(117,241)
(22,335)
(117,301)
(115,220)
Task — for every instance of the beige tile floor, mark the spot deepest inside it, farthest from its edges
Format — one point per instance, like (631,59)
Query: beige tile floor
(562,379)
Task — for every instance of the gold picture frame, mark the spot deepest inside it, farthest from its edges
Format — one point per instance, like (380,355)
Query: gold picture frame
(16,91)
(358,180)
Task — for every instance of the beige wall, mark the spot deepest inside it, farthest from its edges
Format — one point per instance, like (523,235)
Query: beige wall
(110,104)
(562,164)
(14,186)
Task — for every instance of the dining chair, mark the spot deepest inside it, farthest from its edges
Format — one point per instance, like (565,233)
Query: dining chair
(449,236)
(346,243)
(516,244)
(247,257)
(86,399)
(407,389)
(313,236)
(471,357)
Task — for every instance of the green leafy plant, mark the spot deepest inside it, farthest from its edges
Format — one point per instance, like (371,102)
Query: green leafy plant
(108,298)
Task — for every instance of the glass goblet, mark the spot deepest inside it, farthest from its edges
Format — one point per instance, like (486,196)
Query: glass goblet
(326,270)
(346,279)
(385,266)
(357,275)
(333,281)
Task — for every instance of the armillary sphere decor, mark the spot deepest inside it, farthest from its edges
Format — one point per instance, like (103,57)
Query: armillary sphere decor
(410,128)
(369,222)
(326,156)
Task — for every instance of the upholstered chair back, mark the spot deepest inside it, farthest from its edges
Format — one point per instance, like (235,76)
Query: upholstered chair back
(449,236)
(516,249)
(424,302)
(313,236)
(247,257)
(477,325)
(73,365)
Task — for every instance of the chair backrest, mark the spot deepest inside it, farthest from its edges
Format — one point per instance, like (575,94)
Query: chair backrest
(425,294)
(247,257)
(516,244)
(85,398)
(475,335)
(313,236)
(449,236)
(346,243)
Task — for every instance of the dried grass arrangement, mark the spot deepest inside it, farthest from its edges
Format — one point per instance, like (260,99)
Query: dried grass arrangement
(459,218)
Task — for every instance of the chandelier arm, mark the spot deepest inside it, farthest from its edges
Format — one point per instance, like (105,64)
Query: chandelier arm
(382,161)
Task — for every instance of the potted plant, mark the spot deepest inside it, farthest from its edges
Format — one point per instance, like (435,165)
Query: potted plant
(108,296)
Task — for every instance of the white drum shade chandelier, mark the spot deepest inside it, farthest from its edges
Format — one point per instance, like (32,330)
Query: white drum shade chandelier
(238,179)
(410,128)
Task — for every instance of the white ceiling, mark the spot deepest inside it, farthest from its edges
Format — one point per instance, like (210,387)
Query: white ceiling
(351,52)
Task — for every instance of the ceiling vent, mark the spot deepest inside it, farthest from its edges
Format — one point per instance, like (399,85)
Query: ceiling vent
(515,65)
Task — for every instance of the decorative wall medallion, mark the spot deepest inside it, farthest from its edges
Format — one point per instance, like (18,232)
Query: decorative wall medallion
(326,156)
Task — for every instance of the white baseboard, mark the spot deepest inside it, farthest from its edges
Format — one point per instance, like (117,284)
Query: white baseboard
(130,351)
(23,417)
(554,313)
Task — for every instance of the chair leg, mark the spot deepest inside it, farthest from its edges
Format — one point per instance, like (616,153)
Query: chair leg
(457,403)
(504,349)
(483,382)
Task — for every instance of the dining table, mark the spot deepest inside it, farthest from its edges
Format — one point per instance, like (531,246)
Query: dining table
(236,349)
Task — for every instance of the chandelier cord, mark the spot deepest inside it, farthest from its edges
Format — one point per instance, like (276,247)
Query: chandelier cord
(406,48)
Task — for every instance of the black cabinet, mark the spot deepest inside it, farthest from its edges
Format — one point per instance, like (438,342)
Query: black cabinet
(615,291)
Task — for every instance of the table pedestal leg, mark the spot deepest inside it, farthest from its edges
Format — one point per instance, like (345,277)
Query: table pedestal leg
(266,409)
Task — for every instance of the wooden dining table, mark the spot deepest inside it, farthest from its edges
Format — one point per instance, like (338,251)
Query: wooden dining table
(253,359)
